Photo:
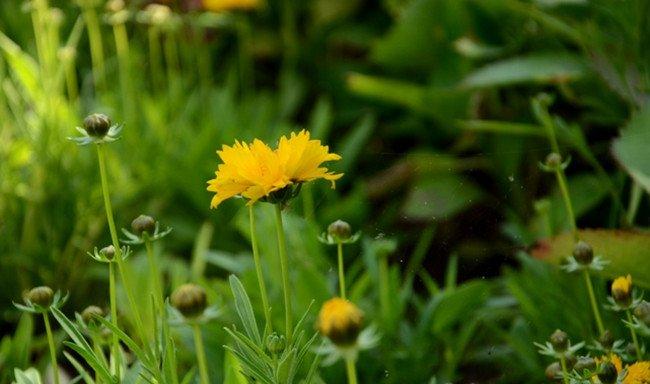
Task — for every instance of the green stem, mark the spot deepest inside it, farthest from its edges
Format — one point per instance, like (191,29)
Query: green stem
(258,270)
(635,340)
(351,370)
(594,305)
(565,373)
(635,199)
(116,244)
(561,180)
(284,261)
(339,248)
(384,288)
(123,58)
(200,354)
(50,341)
(117,356)
(154,272)
(155,58)
(96,46)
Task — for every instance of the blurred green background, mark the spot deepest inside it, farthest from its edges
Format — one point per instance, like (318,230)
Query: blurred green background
(436,107)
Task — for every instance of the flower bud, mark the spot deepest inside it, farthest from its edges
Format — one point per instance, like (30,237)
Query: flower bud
(276,343)
(108,252)
(340,321)
(143,223)
(560,340)
(339,230)
(583,253)
(622,290)
(553,160)
(608,373)
(606,339)
(90,313)
(97,124)
(585,363)
(190,300)
(642,312)
(553,371)
(41,296)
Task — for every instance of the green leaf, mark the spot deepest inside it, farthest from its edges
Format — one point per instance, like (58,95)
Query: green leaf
(440,197)
(455,305)
(627,251)
(28,376)
(245,310)
(355,142)
(538,68)
(631,148)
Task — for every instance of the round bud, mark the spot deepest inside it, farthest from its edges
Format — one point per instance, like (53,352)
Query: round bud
(630,349)
(143,223)
(607,373)
(642,312)
(339,230)
(41,296)
(340,321)
(276,343)
(190,300)
(553,371)
(585,363)
(108,252)
(583,253)
(89,315)
(115,5)
(560,340)
(606,339)
(553,160)
(97,124)
(622,290)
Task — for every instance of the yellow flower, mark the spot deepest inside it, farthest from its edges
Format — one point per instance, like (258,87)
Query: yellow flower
(227,5)
(622,289)
(638,373)
(340,321)
(254,171)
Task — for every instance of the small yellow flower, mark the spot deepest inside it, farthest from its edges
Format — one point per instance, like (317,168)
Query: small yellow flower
(340,321)
(255,170)
(622,289)
(638,373)
(227,5)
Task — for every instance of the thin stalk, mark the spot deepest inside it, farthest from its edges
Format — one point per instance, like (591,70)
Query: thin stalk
(284,261)
(594,305)
(200,354)
(155,57)
(258,270)
(116,244)
(50,342)
(123,58)
(117,356)
(384,288)
(561,181)
(565,372)
(308,203)
(635,340)
(71,79)
(154,272)
(351,369)
(635,199)
(96,45)
(339,248)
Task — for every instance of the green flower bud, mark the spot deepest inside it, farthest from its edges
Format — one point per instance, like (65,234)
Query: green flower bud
(553,371)
(339,230)
(560,340)
(583,253)
(642,312)
(608,373)
(108,252)
(585,363)
(89,315)
(97,124)
(143,223)
(553,160)
(41,296)
(190,300)
(276,343)
(607,339)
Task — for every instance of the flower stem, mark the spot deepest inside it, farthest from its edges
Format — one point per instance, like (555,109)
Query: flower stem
(258,270)
(117,356)
(96,46)
(116,244)
(594,305)
(154,273)
(635,340)
(565,373)
(351,370)
(561,181)
(339,247)
(636,193)
(284,261)
(200,354)
(50,342)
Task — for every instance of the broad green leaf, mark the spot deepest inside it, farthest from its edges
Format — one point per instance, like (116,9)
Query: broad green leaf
(452,305)
(28,376)
(245,309)
(631,148)
(232,370)
(627,251)
(23,66)
(355,142)
(538,68)
(440,197)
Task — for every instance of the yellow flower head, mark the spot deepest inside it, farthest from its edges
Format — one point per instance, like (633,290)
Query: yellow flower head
(638,373)
(622,289)
(340,321)
(254,171)
(228,5)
